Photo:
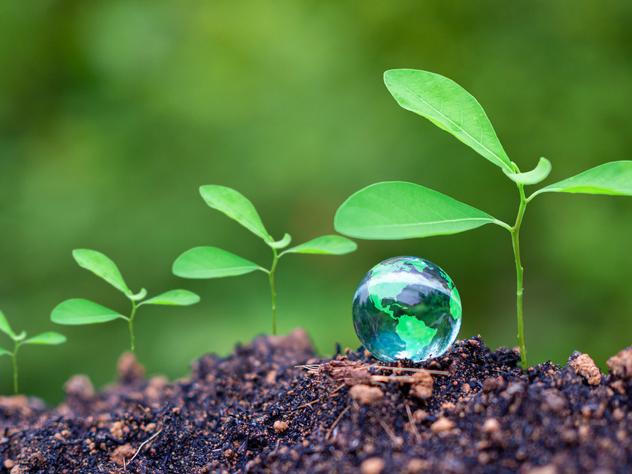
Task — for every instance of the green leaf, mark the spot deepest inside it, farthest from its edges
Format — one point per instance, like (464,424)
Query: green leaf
(174,298)
(3,352)
(401,210)
(5,327)
(102,266)
(211,262)
(325,245)
(281,244)
(535,176)
(47,339)
(612,179)
(80,311)
(236,206)
(449,107)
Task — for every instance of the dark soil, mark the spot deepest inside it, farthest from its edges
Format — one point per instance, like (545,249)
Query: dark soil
(256,411)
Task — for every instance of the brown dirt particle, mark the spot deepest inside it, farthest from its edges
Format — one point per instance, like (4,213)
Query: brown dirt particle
(118,429)
(128,369)
(484,458)
(9,463)
(586,367)
(584,432)
(352,373)
(121,454)
(17,470)
(620,364)
(365,394)
(416,466)
(280,426)
(79,386)
(442,425)
(491,384)
(422,387)
(420,415)
(372,466)
(448,406)
(271,377)
(618,386)
(554,401)
(548,469)
(491,426)
(156,386)
(297,341)
(14,403)
(150,428)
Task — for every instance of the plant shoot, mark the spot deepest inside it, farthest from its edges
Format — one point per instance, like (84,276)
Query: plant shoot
(79,311)
(403,210)
(19,340)
(213,262)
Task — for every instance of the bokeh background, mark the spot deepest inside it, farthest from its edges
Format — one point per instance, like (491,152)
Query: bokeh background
(112,114)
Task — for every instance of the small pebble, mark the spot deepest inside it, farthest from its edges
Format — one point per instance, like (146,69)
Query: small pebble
(422,387)
(372,466)
(442,425)
(280,426)
(420,415)
(491,425)
(365,394)
(416,466)
(548,469)
(586,367)
(620,364)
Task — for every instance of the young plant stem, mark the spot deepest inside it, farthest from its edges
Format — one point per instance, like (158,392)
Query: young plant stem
(273,294)
(515,241)
(14,363)
(130,326)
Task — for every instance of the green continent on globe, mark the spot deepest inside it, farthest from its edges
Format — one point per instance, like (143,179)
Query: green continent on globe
(415,334)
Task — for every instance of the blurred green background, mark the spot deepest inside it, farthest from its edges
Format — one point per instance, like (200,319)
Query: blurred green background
(112,114)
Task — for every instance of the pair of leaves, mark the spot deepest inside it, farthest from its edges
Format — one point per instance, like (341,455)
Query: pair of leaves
(82,311)
(48,338)
(213,262)
(77,311)
(400,210)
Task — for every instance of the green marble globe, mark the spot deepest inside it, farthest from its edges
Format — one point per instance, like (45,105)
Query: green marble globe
(406,308)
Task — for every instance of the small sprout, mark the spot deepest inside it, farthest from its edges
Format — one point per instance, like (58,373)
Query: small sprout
(213,262)
(42,339)
(79,311)
(402,210)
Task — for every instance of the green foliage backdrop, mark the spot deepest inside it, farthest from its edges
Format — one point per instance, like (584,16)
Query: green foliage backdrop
(113,113)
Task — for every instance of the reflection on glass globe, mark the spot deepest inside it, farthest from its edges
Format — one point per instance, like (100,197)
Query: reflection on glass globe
(406,308)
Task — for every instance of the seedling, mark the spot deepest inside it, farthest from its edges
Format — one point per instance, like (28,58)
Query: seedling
(402,210)
(19,340)
(79,311)
(213,262)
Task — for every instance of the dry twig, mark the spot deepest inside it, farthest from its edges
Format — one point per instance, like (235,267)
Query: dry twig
(142,445)
(336,421)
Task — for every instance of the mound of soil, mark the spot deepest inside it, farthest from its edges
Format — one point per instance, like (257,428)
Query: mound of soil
(256,411)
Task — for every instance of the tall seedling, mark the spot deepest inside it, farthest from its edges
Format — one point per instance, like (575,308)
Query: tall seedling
(79,311)
(402,210)
(19,340)
(213,262)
